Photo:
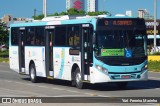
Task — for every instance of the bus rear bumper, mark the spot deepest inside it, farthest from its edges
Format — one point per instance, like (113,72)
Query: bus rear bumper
(97,76)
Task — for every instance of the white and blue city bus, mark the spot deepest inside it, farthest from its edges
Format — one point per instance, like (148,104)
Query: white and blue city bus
(81,49)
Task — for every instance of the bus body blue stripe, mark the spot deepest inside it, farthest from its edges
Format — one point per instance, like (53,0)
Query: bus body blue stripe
(28,24)
(62,63)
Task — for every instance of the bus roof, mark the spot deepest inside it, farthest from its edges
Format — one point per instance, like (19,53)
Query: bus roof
(59,20)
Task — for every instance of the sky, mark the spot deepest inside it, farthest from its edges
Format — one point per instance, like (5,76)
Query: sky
(25,8)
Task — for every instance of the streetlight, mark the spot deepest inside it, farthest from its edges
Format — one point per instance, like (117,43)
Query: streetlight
(45,8)
(155,15)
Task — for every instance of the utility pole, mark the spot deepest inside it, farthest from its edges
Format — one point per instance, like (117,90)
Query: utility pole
(35,13)
(155,22)
(45,8)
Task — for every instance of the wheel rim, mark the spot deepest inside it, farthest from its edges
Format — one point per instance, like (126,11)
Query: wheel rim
(32,73)
(78,78)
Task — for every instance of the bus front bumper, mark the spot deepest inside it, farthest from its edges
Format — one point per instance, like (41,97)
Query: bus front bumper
(97,76)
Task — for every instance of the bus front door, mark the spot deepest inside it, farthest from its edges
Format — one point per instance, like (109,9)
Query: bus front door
(86,52)
(49,52)
(21,51)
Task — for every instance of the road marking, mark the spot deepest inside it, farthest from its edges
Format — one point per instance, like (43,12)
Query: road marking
(40,86)
(2,65)
(24,92)
(154,72)
(103,96)
(68,96)
(73,91)
(155,78)
(91,94)
(5,71)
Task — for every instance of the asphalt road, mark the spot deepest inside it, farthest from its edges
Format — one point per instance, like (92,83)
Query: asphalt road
(15,85)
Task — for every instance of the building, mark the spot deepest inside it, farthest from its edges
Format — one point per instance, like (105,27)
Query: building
(92,5)
(7,18)
(143,13)
(77,4)
(129,13)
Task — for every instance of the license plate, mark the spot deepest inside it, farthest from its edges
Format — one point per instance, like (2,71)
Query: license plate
(125,76)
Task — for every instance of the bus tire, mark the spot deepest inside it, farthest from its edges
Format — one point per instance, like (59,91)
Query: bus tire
(77,78)
(122,85)
(32,72)
(73,82)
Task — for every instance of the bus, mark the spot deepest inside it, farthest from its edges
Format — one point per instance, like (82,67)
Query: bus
(81,49)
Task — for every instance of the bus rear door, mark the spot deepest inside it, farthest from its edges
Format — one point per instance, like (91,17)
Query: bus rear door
(21,50)
(49,32)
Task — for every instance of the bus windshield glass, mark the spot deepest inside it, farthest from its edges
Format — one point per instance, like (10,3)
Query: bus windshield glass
(126,43)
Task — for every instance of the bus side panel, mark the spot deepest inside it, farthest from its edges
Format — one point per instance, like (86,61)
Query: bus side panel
(37,55)
(14,58)
(63,63)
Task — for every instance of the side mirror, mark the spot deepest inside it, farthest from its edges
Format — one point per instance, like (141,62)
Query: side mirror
(95,48)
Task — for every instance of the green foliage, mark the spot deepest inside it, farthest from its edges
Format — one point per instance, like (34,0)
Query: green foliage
(73,11)
(39,17)
(4,59)
(154,66)
(155,53)
(56,14)
(63,13)
(98,13)
(4,54)
(4,34)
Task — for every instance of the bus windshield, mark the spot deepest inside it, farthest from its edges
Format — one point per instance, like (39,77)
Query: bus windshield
(126,43)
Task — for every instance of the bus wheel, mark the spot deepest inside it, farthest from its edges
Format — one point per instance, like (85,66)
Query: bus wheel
(33,76)
(122,85)
(78,80)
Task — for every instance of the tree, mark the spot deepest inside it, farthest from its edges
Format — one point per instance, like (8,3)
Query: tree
(39,17)
(56,14)
(98,13)
(63,13)
(4,35)
(81,12)
(73,11)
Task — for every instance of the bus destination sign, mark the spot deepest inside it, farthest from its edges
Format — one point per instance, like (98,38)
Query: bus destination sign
(118,22)
(121,22)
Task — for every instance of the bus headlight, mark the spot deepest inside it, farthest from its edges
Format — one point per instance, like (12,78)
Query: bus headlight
(98,67)
(105,71)
(144,68)
(102,69)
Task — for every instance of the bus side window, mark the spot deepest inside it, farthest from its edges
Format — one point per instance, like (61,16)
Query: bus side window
(33,40)
(60,36)
(70,40)
(76,39)
(14,36)
(73,36)
(31,37)
(39,34)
